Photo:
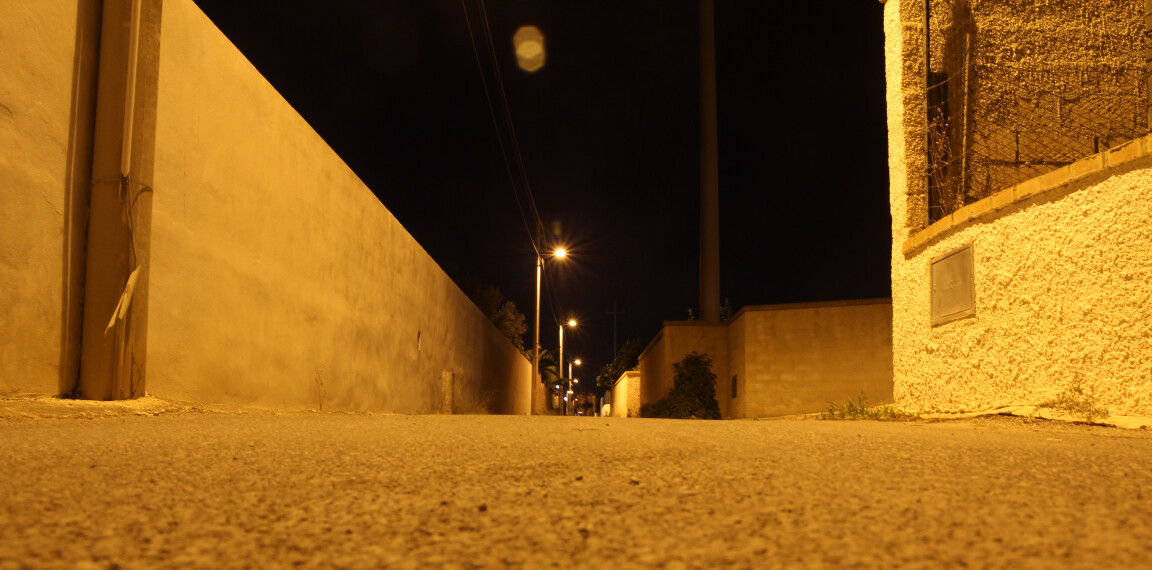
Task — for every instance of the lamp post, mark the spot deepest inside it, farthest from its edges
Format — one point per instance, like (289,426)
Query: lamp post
(559,254)
(560,360)
(571,380)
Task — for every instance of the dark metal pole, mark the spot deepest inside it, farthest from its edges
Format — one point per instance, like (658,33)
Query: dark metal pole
(709,169)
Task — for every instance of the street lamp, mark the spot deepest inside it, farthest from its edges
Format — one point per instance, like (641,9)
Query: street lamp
(560,253)
(571,379)
(560,359)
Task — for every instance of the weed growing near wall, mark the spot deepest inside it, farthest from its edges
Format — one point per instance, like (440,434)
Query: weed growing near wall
(1077,403)
(860,410)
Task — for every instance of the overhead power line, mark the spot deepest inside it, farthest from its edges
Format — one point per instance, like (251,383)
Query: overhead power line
(519,159)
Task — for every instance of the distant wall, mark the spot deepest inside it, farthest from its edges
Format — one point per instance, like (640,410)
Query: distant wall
(1062,272)
(801,358)
(737,366)
(626,395)
(671,345)
(277,277)
(46,105)
(787,359)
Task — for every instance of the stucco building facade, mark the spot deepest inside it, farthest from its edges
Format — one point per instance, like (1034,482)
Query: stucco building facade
(1037,279)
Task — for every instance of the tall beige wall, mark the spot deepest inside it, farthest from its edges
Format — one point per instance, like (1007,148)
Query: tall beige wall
(801,358)
(1062,275)
(47,80)
(277,277)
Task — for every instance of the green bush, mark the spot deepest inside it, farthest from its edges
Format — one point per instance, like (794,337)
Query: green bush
(693,393)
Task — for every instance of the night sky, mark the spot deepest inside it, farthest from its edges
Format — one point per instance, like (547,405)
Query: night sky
(609,135)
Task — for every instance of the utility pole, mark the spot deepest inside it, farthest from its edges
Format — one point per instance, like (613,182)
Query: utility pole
(709,169)
(614,312)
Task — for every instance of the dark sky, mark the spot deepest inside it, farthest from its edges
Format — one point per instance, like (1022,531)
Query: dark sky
(609,135)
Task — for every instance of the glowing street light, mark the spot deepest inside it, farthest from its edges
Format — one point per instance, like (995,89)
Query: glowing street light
(570,378)
(560,253)
(560,361)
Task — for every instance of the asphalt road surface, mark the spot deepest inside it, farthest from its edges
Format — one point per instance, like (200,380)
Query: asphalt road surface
(264,490)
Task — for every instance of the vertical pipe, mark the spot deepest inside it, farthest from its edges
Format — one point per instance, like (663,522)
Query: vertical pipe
(536,338)
(114,330)
(709,169)
(560,366)
(130,90)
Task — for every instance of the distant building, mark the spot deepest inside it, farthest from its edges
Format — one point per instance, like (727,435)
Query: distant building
(775,360)
(1020,172)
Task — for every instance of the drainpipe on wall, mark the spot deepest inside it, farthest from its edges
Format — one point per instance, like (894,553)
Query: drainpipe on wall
(115,316)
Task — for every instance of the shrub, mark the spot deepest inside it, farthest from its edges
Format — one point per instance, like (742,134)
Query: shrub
(693,393)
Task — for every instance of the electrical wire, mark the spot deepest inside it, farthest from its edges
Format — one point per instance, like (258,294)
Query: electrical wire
(508,116)
(500,137)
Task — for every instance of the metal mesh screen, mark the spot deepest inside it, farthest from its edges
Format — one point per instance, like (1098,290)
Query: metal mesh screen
(1017,88)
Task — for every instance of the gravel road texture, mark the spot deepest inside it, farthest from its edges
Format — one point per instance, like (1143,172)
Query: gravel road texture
(179,487)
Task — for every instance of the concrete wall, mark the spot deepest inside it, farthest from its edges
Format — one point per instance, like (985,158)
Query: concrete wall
(787,359)
(671,345)
(737,359)
(626,395)
(278,278)
(800,358)
(47,102)
(1062,273)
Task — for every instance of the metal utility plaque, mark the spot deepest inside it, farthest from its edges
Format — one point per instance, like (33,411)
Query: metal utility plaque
(953,286)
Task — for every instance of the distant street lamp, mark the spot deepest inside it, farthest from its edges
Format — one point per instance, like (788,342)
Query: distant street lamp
(559,254)
(560,360)
(571,379)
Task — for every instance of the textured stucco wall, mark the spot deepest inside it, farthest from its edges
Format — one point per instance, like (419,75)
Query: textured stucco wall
(278,279)
(47,75)
(1063,287)
(801,358)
